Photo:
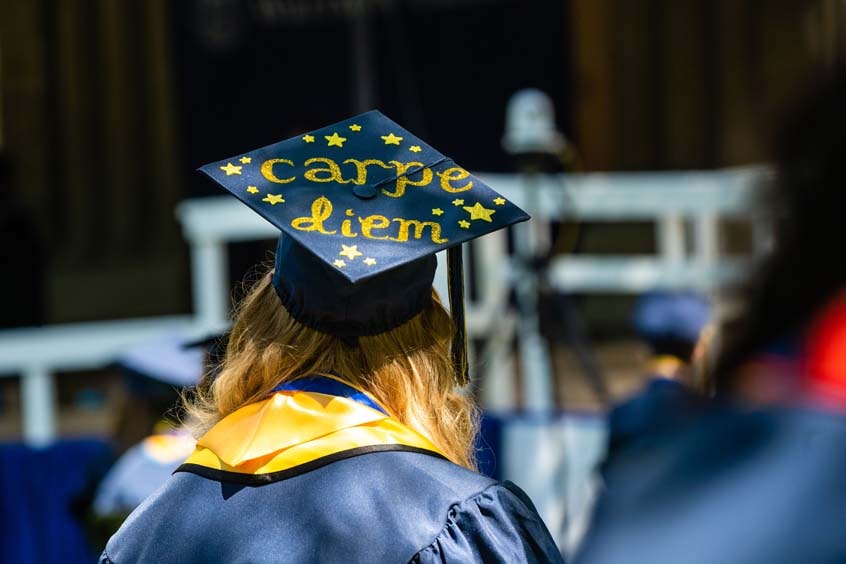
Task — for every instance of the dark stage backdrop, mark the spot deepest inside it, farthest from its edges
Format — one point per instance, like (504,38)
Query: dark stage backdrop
(251,73)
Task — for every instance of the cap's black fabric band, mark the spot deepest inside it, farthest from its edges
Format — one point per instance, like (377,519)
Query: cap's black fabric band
(319,297)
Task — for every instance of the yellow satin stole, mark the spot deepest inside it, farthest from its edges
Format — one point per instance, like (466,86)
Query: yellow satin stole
(292,428)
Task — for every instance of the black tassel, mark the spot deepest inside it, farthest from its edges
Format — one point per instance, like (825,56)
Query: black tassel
(455,284)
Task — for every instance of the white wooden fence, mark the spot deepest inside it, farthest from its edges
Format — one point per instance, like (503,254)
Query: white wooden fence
(669,199)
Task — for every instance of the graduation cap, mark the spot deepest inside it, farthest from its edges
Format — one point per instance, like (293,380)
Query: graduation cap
(165,359)
(363,206)
(671,316)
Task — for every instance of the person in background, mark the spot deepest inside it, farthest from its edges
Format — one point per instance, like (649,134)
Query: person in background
(675,326)
(757,475)
(155,373)
(336,430)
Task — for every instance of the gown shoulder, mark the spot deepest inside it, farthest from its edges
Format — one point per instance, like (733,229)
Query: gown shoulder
(499,524)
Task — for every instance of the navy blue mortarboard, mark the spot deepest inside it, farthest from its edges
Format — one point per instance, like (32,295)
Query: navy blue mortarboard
(671,316)
(363,206)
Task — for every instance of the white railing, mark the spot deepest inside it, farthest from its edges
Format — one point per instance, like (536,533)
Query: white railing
(37,353)
(667,198)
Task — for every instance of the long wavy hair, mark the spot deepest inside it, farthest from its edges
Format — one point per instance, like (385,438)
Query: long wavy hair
(408,370)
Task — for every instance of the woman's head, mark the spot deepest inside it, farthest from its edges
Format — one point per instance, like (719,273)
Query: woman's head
(355,261)
(408,369)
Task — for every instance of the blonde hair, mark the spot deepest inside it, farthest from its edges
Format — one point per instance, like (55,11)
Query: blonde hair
(408,370)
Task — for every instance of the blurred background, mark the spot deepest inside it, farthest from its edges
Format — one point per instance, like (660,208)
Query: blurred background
(634,132)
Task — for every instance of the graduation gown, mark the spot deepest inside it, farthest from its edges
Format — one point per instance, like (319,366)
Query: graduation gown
(140,472)
(320,473)
(687,481)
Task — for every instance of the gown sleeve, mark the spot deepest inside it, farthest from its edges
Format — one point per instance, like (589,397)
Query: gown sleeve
(500,524)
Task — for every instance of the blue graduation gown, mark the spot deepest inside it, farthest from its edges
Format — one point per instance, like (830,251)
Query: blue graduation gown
(140,471)
(696,483)
(381,502)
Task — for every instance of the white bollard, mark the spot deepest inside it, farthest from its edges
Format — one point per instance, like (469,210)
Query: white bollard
(38,396)
(209,277)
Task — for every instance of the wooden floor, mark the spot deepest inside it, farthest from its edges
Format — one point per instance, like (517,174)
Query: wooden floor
(623,366)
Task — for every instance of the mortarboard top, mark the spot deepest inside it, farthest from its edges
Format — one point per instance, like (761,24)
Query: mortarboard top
(363,205)
(368,186)
(680,316)
(165,359)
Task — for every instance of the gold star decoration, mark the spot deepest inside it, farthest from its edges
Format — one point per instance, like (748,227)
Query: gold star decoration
(464,224)
(458,202)
(273,199)
(308,138)
(231,169)
(252,189)
(391,139)
(245,160)
(339,263)
(350,251)
(370,261)
(355,127)
(437,211)
(415,149)
(478,211)
(499,201)
(335,140)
